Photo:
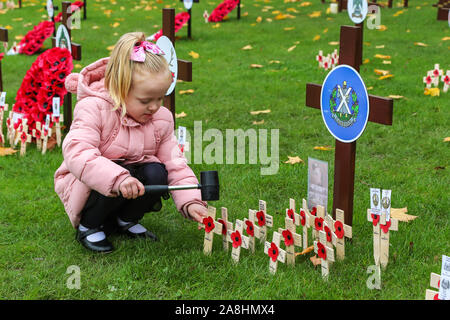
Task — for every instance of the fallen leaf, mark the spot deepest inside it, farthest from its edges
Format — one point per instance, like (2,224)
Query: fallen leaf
(447,139)
(293,160)
(6,151)
(291,48)
(247,47)
(445,38)
(420,44)
(78,66)
(194,55)
(366,61)
(386,77)
(305,4)
(434,92)
(289,28)
(186,91)
(180,115)
(95,27)
(398,13)
(19,37)
(323,148)
(292,10)
(315,14)
(380,47)
(382,27)
(381,72)
(8,27)
(333,43)
(257,66)
(259,19)
(258,122)
(217,25)
(382,56)
(17,19)
(305,251)
(387,62)
(115,24)
(317,37)
(439,168)
(325,30)
(110,48)
(280,16)
(370,88)
(274,61)
(393,96)
(316,261)
(254,113)
(400,214)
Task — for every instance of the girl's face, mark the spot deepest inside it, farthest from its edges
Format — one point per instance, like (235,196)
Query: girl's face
(146,94)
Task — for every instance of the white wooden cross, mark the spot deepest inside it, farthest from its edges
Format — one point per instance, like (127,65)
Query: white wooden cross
(437,72)
(340,232)
(263,220)
(375,219)
(319,58)
(291,239)
(318,221)
(226,225)
(273,250)
(57,123)
(434,283)
(251,229)
(386,226)
(25,138)
(238,240)
(37,133)
(428,80)
(446,80)
(46,133)
(325,253)
(290,213)
(211,226)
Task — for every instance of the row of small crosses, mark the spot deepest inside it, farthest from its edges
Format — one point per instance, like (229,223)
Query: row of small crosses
(18,132)
(327,234)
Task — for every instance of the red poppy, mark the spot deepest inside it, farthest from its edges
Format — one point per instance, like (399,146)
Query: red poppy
(303,218)
(446,79)
(321,251)
(339,229)
(318,223)
(250,228)
(385,227)
(328,233)
(288,238)
(209,224)
(38,134)
(236,238)
(1,56)
(291,214)
(224,226)
(222,10)
(436,296)
(314,211)
(261,218)
(23,137)
(273,252)
(375,219)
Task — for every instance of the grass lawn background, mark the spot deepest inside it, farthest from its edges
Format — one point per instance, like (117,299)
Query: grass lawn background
(37,242)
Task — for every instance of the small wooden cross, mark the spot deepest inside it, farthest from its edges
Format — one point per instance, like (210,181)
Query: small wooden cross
(76,55)
(446,80)
(46,133)
(226,225)
(25,138)
(273,250)
(251,229)
(238,240)
(263,220)
(291,240)
(317,222)
(211,226)
(340,232)
(325,253)
(37,134)
(386,226)
(184,67)
(57,123)
(290,213)
(3,38)
(435,280)
(381,110)
(375,219)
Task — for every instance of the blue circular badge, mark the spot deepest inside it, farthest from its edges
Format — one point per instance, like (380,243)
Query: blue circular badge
(344,103)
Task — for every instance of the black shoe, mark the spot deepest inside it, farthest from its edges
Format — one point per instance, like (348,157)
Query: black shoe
(103,246)
(144,235)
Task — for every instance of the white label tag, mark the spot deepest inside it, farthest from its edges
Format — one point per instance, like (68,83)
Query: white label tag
(56,106)
(47,122)
(375,201)
(444,287)
(181,136)
(386,204)
(3,99)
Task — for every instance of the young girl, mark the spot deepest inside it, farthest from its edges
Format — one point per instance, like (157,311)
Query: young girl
(120,140)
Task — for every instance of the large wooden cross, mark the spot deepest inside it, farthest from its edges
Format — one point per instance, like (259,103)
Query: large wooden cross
(381,110)
(184,67)
(76,55)
(443,9)
(3,38)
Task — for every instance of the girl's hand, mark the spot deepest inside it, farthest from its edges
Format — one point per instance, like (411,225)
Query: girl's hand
(197,212)
(131,188)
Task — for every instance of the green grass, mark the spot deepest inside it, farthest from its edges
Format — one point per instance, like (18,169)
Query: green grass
(37,242)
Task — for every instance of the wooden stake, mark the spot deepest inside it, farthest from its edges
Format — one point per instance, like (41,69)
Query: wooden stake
(226,225)
(263,220)
(326,254)
(291,240)
(273,250)
(252,230)
(211,226)
(304,221)
(375,219)
(238,240)
(386,226)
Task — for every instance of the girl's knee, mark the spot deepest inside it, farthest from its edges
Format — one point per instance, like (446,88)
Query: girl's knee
(155,174)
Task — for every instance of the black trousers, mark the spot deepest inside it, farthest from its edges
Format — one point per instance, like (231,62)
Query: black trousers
(100,209)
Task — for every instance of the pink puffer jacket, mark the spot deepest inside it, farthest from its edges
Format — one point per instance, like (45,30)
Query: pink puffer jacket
(98,136)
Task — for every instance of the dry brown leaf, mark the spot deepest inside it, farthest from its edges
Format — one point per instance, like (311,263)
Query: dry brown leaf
(400,214)
(257,66)
(333,43)
(280,16)
(305,251)
(247,47)
(316,261)
(258,122)
(293,160)
(434,92)
(6,151)
(420,44)
(274,61)
(315,14)
(305,4)
(291,48)
(259,19)
(323,148)
(381,72)
(366,61)
(393,96)
(194,55)
(380,47)
(445,38)
(382,56)
(382,27)
(447,139)
(289,28)
(317,37)
(180,115)
(387,62)
(254,113)
(186,91)
(386,77)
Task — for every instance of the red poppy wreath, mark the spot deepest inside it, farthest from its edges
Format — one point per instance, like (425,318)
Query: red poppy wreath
(34,39)
(221,11)
(180,20)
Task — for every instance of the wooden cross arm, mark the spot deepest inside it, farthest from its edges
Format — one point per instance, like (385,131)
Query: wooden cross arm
(313,95)
(185,70)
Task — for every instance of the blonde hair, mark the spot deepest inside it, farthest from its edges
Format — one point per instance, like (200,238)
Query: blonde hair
(120,68)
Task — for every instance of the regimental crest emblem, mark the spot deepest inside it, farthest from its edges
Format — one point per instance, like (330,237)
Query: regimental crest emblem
(344,105)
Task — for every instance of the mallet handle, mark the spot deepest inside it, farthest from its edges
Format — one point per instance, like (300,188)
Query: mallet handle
(164,188)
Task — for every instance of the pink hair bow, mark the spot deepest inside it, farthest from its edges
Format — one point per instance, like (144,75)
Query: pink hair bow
(138,53)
